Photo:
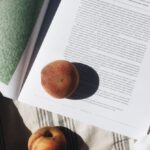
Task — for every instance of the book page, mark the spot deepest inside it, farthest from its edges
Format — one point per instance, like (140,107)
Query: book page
(18,42)
(109,43)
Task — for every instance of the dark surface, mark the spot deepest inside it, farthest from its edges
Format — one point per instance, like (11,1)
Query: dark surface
(14,133)
(2,143)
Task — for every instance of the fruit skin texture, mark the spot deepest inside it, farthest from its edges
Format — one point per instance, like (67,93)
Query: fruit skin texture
(60,78)
(47,138)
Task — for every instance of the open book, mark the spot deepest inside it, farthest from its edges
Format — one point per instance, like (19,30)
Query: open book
(109,41)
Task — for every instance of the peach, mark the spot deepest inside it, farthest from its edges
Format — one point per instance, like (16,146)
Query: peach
(47,138)
(60,78)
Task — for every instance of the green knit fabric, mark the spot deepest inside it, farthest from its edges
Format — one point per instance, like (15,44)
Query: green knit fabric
(17,18)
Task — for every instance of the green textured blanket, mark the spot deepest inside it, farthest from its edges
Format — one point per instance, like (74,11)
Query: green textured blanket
(17,18)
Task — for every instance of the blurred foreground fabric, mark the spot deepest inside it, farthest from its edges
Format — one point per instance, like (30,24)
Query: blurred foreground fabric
(20,120)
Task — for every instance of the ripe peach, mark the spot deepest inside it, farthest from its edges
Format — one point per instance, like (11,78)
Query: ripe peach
(47,138)
(60,78)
